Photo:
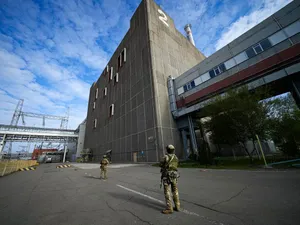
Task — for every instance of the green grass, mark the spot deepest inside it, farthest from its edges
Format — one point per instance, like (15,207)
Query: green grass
(241,163)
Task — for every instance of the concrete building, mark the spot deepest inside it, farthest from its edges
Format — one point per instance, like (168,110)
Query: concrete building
(266,55)
(81,135)
(128,109)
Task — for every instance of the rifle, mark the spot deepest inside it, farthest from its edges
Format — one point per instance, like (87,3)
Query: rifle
(163,170)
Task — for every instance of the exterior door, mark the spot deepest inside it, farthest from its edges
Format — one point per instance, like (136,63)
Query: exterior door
(135,157)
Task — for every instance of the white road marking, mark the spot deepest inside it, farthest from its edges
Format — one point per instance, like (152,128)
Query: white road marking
(154,199)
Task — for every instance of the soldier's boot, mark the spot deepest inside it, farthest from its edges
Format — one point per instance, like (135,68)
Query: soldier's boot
(177,208)
(167,211)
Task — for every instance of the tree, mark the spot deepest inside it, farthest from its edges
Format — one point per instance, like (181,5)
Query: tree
(284,124)
(237,118)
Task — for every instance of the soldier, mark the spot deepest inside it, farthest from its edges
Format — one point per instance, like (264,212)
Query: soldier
(169,178)
(103,167)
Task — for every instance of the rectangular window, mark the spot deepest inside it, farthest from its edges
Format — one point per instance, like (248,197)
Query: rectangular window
(205,77)
(105,91)
(229,64)
(222,67)
(217,71)
(117,78)
(95,123)
(107,70)
(180,90)
(94,105)
(193,84)
(119,62)
(111,73)
(241,57)
(265,44)
(257,48)
(198,81)
(250,52)
(212,74)
(124,57)
(96,94)
(185,88)
(293,29)
(277,37)
(111,109)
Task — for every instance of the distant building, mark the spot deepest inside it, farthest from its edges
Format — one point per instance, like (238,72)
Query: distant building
(81,135)
(37,152)
(128,110)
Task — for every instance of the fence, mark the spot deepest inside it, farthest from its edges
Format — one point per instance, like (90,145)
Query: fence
(10,166)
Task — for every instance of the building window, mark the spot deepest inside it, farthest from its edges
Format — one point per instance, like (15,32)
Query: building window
(198,81)
(250,52)
(107,70)
(95,123)
(111,110)
(119,62)
(212,74)
(257,48)
(123,55)
(222,67)
(111,73)
(180,90)
(229,64)
(277,37)
(105,91)
(241,57)
(293,29)
(193,84)
(205,77)
(96,94)
(94,105)
(117,78)
(265,44)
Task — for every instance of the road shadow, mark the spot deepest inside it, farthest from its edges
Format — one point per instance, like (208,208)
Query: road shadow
(137,200)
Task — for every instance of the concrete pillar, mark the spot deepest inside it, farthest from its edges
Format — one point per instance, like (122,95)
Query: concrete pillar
(296,91)
(2,145)
(192,135)
(184,140)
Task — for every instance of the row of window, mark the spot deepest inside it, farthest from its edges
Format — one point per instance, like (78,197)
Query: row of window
(252,51)
(110,71)
(111,113)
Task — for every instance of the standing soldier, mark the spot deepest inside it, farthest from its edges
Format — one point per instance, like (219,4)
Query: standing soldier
(169,178)
(103,167)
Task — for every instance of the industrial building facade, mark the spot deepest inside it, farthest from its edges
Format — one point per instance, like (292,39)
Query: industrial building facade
(266,55)
(128,110)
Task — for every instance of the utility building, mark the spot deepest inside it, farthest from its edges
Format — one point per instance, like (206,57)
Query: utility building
(266,55)
(128,110)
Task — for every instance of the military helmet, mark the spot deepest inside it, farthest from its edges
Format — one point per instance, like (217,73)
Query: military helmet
(170,149)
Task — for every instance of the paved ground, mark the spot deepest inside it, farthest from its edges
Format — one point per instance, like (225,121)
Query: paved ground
(132,196)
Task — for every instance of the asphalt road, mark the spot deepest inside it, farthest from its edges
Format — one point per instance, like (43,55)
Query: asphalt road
(132,195)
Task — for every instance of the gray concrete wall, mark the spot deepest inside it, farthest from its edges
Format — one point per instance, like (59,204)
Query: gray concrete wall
(80,141)
(171,55)
(133,121)
(142,123)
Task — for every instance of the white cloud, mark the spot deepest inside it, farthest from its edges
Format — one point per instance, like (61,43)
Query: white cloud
(245,23)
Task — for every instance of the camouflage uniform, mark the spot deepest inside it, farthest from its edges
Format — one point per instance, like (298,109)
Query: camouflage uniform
(169,165)
(103,167)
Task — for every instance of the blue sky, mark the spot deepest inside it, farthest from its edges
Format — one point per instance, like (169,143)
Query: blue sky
(51,51)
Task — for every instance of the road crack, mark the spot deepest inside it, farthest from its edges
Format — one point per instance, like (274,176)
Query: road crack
(215,210)
(124,210)
(232,197)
